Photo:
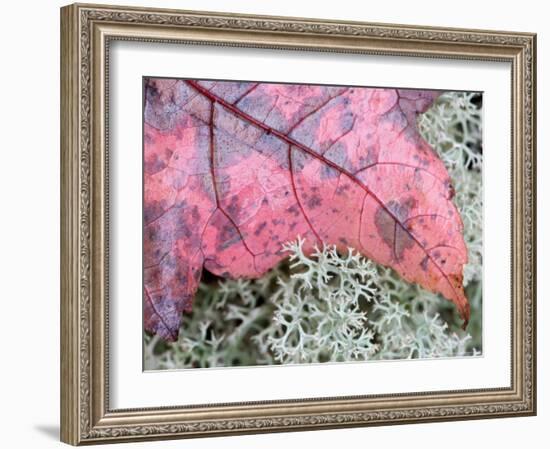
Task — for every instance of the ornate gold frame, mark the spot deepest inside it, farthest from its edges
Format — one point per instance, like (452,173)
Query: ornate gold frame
(86,31)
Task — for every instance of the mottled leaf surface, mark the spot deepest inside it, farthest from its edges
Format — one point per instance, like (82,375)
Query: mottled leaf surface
(232,170)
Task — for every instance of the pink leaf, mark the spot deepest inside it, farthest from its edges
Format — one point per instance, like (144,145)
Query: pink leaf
(234,170)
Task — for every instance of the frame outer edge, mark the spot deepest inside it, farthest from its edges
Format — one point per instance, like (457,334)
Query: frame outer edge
(532,232)
(80,423)
(69,257)
(534,218)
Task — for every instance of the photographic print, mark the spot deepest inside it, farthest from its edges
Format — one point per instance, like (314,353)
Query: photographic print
(296,223)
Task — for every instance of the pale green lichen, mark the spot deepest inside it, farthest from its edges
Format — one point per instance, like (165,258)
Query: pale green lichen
(330,307)
(319,314)
(453,127)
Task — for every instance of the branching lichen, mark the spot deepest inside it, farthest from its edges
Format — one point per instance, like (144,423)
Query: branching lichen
(453,127)
(318,315)
(330,307)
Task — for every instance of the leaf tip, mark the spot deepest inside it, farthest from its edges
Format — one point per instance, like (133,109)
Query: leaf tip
(465,314)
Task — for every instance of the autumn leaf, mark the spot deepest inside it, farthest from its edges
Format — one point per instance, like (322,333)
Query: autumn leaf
(234,170)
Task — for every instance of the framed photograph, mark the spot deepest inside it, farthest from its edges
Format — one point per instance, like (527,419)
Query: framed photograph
(280,224)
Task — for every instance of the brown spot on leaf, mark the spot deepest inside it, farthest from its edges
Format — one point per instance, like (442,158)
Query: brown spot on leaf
(260,228)
(391,232)
(403,240)
(424,263)
(385,225)
(314,201)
